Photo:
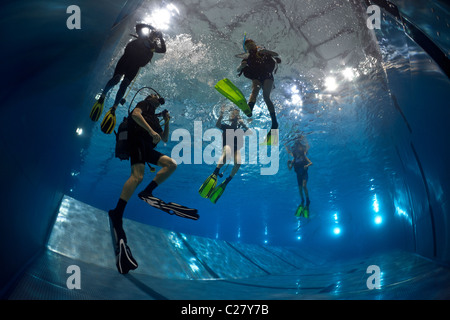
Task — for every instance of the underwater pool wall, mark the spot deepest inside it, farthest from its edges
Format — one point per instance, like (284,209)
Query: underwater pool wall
(46,71)
(45,84)
(420,136)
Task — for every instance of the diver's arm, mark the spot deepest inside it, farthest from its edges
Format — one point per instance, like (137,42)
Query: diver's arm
(165,134)
(288,150)
(242,65)
(219,121)
(161,49)
(272,53)
(309,162)
(139,119)
(290,164)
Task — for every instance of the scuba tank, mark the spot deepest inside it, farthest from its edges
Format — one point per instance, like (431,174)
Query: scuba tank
(122,150)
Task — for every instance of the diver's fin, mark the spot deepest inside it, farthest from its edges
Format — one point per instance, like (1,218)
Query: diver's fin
(298,212)
(97,109)
(124,259)
(171,207)
(218,191)
(306,212)
(109,121)
(207,186)
(232,93)
(271,138)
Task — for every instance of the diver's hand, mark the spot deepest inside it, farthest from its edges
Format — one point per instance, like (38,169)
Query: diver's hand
(156,138)
(166,116)
(158,33)
(242,66)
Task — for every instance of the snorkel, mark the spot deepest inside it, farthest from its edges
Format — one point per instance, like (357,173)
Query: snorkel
(243,42)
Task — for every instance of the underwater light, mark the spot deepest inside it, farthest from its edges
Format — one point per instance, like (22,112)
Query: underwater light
(348,74)
(378,219)
(79,131)
(160,18)
(337,230)
(331,84)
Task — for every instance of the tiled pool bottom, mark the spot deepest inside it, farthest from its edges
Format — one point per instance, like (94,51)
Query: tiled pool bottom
(175,266)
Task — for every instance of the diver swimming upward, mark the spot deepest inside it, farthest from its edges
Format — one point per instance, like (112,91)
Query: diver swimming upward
(232,139)
(138,53)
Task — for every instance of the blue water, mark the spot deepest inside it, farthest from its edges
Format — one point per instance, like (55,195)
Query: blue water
(350,131)
(372,104)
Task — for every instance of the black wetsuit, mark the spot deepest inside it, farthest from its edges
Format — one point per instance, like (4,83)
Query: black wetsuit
(137,54)
(299,164)
(260,66)
(142,148)
(238,141)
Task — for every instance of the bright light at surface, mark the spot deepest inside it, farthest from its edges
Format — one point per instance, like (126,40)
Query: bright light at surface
(348,74)
(160,18)
(79,131)
(378,219)
(337,230)
(330,83)
(296,99)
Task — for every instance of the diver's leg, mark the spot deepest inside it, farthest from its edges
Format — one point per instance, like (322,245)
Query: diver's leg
(267,89)
(305,188)
(116,215)
(256,86)
(300,186)
(130,72)
(110,84)
(237,163)
(137,175)
(121,92)
(226,152)
(168,166)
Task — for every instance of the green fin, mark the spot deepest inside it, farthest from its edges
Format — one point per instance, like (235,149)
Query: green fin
(97,110)
(232,93)
(208,186)
(306,212)
(217,192)
(271,140)
(109,121)
(298,212)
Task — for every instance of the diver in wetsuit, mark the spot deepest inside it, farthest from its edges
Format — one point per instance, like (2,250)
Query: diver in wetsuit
(301,163)
(144,133)
(233,141)
(259,67)
(235,123)
(138,53)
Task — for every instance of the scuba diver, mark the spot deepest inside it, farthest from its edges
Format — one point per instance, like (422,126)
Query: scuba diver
(301,163)
(233,141)
(144,133)
(259,66)
(138,53)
